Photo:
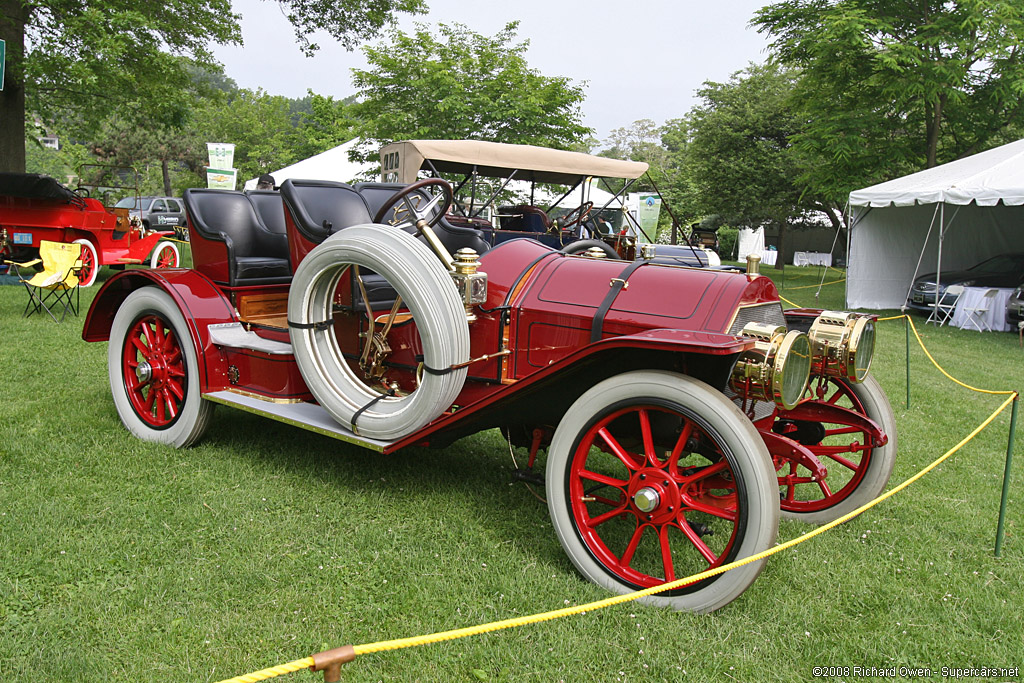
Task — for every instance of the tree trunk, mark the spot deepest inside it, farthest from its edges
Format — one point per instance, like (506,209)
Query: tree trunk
(934,128)
(780,261)
(167,177)
(13,15)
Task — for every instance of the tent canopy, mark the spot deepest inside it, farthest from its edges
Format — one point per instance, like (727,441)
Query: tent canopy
(330,165)
(984,179)
(945,218)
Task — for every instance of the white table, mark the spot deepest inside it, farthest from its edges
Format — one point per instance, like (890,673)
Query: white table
(768,257)
(811,258)
(994,318)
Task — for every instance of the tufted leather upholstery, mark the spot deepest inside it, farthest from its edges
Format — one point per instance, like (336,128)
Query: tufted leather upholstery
(226,220)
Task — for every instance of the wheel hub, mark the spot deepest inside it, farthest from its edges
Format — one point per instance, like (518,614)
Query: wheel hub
(144,372)
(655,497)
(646,499)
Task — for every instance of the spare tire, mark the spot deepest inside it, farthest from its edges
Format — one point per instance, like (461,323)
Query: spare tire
(428,292)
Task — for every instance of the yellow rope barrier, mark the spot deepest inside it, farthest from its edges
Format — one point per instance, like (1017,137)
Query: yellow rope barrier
(272,672)
(818,285)
(949,376)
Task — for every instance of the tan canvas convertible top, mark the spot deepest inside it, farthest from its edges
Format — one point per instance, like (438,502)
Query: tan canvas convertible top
(401,161)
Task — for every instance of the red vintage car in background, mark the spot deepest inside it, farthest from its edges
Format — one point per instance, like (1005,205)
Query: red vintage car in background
(681,409)
(36,207)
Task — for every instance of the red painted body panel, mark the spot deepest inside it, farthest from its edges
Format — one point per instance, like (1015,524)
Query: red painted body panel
(58,221)
(541,304)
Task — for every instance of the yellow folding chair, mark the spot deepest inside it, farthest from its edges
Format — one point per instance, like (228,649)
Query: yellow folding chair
(56,285)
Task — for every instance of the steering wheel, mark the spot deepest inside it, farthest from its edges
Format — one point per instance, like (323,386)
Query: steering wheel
(415,212)
(576,216)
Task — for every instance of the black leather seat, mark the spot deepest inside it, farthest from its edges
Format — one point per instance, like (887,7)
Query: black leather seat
(322,207)
(255,255)
(270,208)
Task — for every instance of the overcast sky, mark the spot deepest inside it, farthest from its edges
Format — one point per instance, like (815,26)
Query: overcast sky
(638,58)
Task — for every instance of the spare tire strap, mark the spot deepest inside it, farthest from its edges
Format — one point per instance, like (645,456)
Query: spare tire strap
(318,327)
(391,392)
(435,371)
(617,285)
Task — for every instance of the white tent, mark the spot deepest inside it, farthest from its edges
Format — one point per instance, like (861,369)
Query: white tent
(945,218)
(330,165)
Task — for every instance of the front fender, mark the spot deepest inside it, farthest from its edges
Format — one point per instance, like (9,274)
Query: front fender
(198,299)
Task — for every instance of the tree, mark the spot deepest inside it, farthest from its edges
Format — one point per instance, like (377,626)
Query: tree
(739,160)
(462,85)
(892,86)
(89,58)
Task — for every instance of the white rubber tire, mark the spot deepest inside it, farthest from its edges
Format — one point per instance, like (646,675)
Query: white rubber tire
(91,248)
(877,407)
(749,460)
(428,292)
(154,259)
(194,415)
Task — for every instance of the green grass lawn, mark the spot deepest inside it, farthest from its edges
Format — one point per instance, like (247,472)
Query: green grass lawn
(127,561)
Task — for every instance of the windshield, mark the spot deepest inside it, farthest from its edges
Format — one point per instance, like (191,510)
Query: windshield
(131,203)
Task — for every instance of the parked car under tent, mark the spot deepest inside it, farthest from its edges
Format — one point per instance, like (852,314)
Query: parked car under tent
(945,218)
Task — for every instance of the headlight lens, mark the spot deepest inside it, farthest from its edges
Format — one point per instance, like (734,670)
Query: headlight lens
(777,368)
(842,345)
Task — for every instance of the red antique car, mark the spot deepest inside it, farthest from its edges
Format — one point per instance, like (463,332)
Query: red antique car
(681,409)
(36,207)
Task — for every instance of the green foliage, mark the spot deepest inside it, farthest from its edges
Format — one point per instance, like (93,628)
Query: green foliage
(57,163)
(889,87)
(738,152)
(462,85)
(85,61)
(727,238)
(328,123)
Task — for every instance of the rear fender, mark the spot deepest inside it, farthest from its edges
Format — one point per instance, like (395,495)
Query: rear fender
(199,301)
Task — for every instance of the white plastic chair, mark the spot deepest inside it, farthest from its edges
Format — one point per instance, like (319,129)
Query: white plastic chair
(976,314)
(943,311)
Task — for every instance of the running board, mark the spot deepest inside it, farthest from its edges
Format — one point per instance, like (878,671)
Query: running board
(234,336)
(302,414)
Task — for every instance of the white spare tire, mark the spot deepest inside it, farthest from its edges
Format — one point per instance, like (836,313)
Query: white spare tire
(428,292)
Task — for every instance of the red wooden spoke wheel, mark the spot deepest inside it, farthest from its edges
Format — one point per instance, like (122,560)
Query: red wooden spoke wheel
(165,256)
(648,509)
(856,471)
(653,476)
(154,371)
(90,263)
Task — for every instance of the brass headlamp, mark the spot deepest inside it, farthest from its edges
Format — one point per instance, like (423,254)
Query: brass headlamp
(777,368)
(842,345)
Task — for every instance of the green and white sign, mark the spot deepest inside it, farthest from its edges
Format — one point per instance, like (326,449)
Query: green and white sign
(3,61)
(649,209)
(221,179)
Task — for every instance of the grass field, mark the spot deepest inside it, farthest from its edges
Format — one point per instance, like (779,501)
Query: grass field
(127,561)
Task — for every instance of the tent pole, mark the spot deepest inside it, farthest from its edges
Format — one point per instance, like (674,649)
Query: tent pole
(920,257)
(938,263)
